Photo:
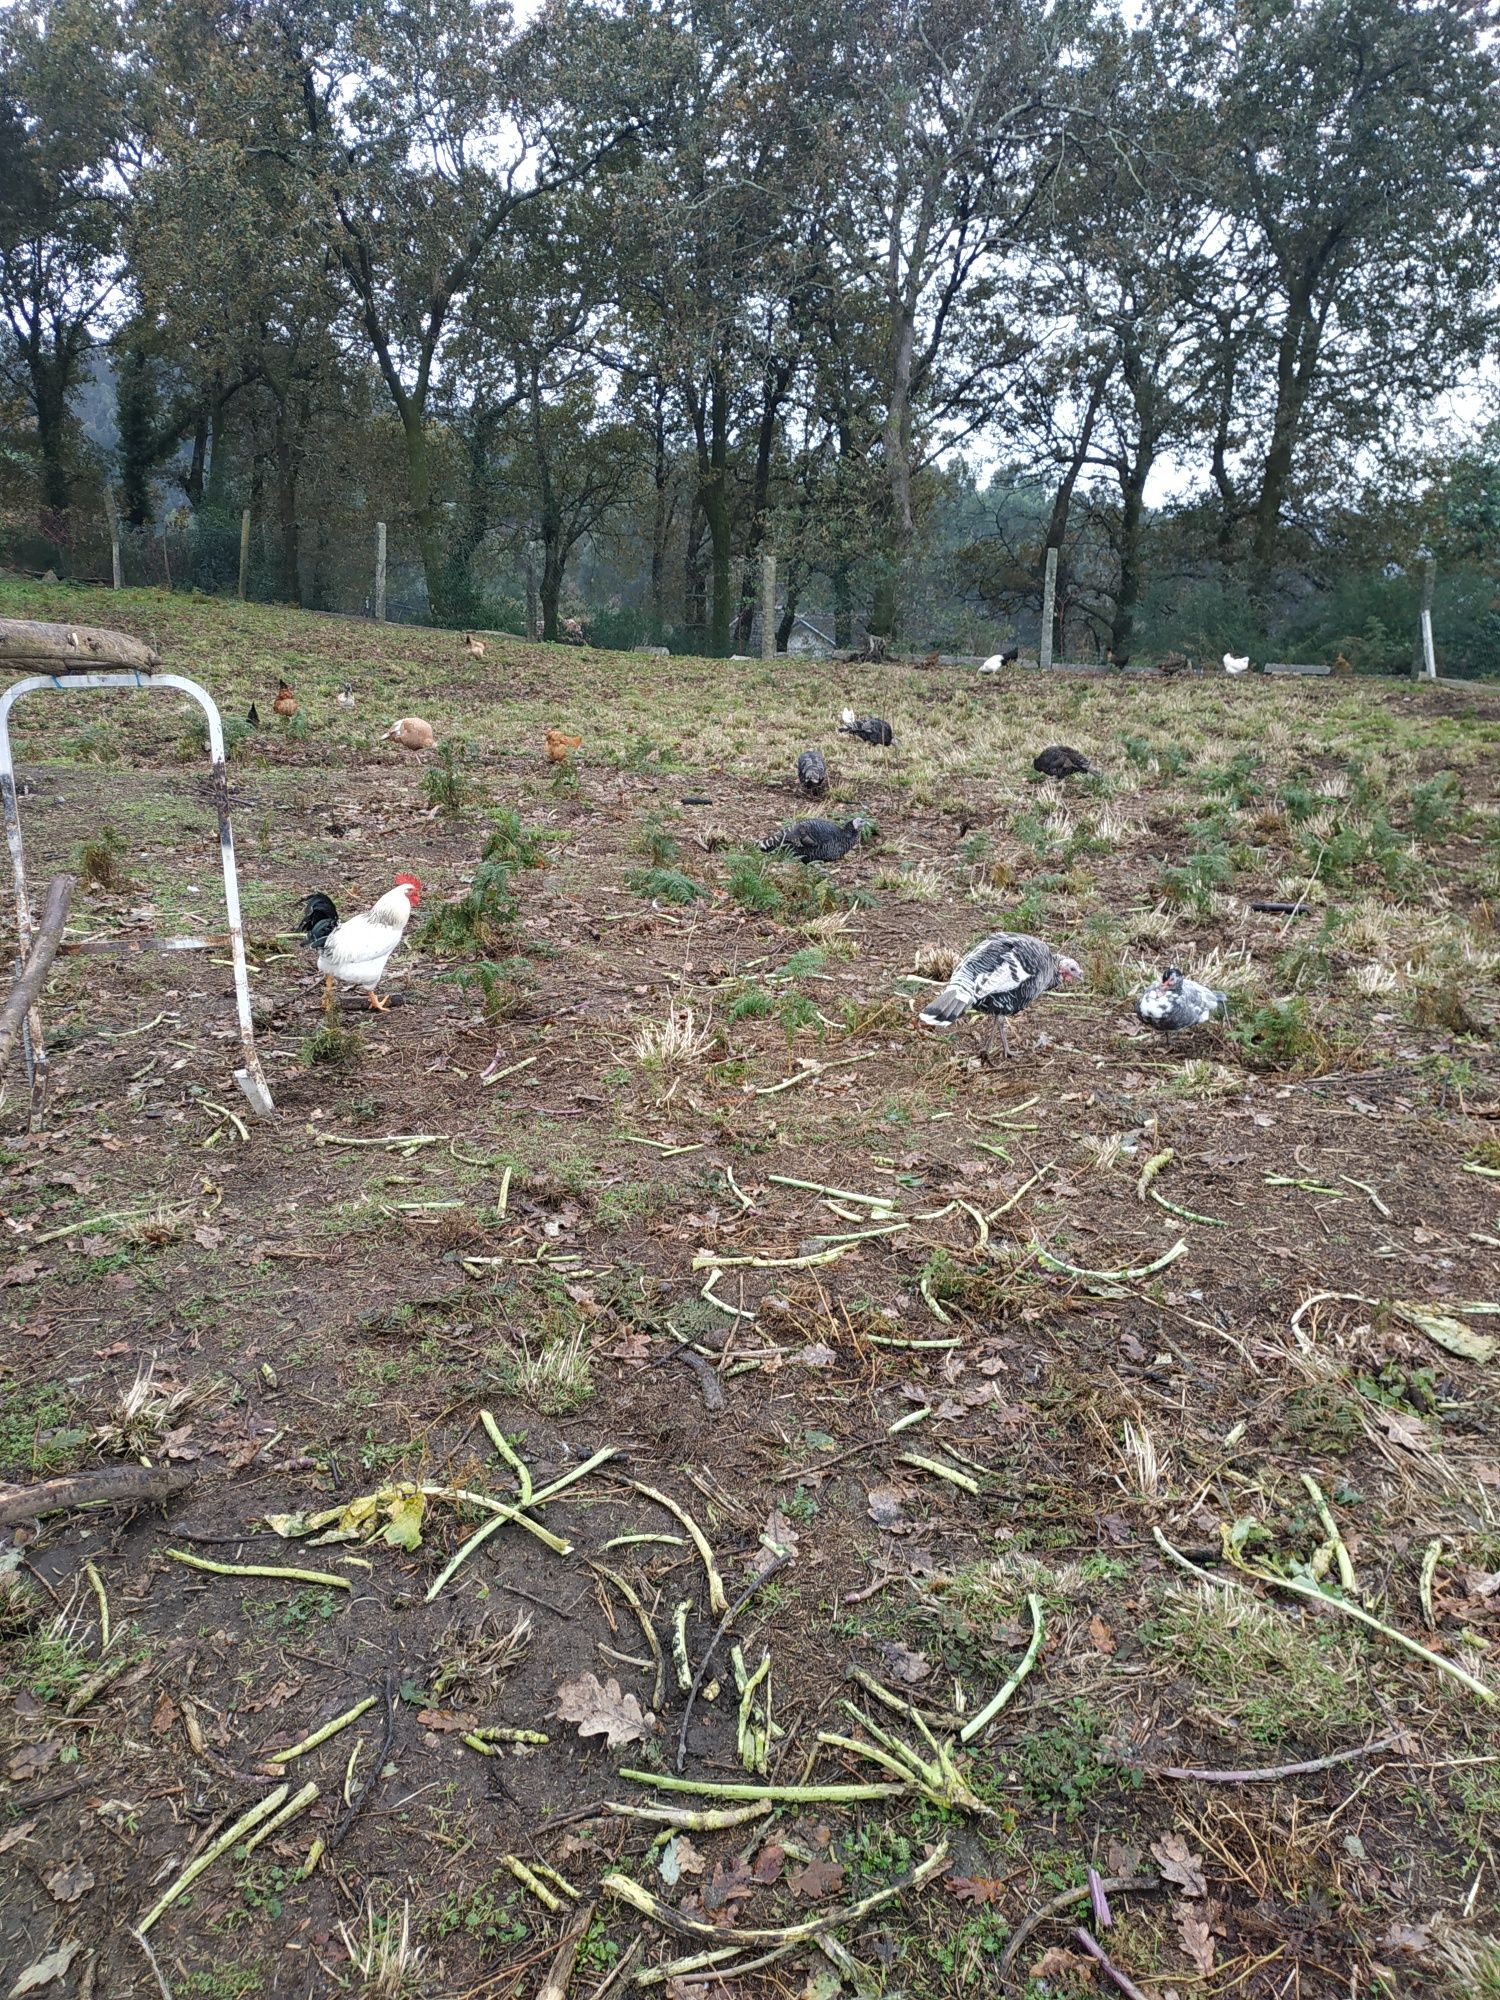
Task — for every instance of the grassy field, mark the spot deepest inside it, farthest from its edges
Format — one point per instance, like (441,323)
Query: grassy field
(952,1373)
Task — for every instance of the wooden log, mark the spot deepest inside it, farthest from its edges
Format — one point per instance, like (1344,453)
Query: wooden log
(72,649)
(1295,667)
(115,1485)
(28,987)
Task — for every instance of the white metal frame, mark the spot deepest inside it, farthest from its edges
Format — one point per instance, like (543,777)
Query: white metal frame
(251,1078)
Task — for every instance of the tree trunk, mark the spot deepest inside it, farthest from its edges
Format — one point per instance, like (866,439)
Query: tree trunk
(777,380)
(694,577)
(843,608)
(789,604)
(286,507)
(661,512)
(194,487)
(553,559)
(1296,361)
(424,514)
(135,417)
(1128,589)
(50,398)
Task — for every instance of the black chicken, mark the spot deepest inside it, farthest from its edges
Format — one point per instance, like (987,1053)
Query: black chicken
(1058,761)
(868,728)
(815,839)
(812,773)
(252,716)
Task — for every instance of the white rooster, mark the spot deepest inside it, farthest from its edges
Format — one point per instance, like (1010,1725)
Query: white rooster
(1234,665)
(356,952)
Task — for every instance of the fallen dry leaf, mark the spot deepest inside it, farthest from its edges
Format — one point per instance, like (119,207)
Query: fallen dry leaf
(207,1236)
(602,1709)
(164,1714)
(817,1879)
(1101,1634)
(1195,1937)
(31,1760)
(1121,1859)
(730,1881)
(1413,1939)
(45,1970)
(67,1882)
(1055,1963)
(905,1664)
(25,1273)
(974,1888)
(448,1720)
(883,1504)
(768,1863)
(1179,1864)
(16,1834)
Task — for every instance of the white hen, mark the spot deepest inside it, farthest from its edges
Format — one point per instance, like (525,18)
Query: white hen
(1232,665)
(357,951)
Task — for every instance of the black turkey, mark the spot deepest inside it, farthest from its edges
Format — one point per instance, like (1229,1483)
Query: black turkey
(1058,761)
(868,728)
(1000,977)
(815,839)
(812,773)
(1176,1002)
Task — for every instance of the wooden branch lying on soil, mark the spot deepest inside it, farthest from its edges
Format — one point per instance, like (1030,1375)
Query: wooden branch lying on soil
(27,989)
(1271,1772)
(1110,1885)
(116,1485)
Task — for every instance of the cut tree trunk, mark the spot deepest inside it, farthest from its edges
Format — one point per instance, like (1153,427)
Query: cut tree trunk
(71,649)
(118,1485)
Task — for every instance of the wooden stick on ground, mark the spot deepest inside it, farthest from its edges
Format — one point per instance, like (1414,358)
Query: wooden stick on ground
(28,988)
(116,1485)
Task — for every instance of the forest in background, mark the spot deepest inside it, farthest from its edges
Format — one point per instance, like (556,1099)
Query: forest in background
(595,309)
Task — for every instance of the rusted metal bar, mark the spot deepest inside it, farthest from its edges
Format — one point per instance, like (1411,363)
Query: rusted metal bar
(250,1079)
(25,995)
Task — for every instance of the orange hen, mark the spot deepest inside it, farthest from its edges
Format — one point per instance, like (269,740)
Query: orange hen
(559,744)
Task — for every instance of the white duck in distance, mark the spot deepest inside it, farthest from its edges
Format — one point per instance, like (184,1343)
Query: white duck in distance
(1176,1003)
(357,951)
(1001,978)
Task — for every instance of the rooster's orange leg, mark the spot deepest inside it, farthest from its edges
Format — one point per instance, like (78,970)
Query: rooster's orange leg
(380,1006)
(328,993)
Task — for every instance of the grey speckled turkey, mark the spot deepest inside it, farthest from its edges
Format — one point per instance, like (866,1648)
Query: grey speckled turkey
(1000,977)
(868,728)
(1058,761)
(1176,1002)
(812,773)
(815,839)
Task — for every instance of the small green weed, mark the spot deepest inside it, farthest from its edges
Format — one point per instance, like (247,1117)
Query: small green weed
(1280,1035)
(511,843)
(445,785)
(1280,1678)
(664,885)
(751,1003)
(1064,1768)
(101,862)
(504,988)
(35,1436)
(333,1046)
(480,922)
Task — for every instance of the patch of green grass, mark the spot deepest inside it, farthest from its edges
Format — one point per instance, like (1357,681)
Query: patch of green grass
(36,1439)
(490,1913)
(1064,1767)
(652,839)
(49,1663)
(555,1376)
(1282,1679)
